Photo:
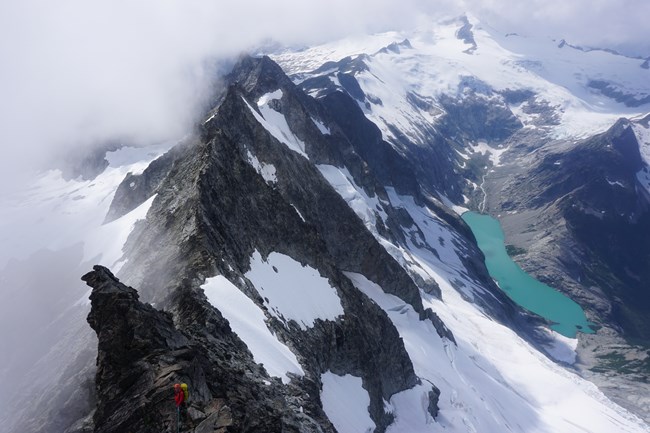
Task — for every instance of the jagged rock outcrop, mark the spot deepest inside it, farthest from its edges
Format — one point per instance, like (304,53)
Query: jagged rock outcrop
(142,354)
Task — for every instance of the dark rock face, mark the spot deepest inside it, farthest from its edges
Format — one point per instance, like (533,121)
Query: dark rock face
(142,354)
(611,91)
(129,331)
(466,35)
(478,118)
(212,211)
(389,167)
(593,187)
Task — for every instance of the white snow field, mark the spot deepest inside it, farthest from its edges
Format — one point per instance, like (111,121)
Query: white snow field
(248,321)
(642,133)
(345,403)
(437,64)
(276,123)
(493,381)
(59,213)
(367,208)
(293,291)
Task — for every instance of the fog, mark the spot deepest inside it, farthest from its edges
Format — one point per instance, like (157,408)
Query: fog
(76,73)
(615,24)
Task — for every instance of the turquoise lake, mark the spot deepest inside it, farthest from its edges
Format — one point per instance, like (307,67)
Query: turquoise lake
(567,316)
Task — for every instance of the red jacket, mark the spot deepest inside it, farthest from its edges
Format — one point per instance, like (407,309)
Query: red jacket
(179,397)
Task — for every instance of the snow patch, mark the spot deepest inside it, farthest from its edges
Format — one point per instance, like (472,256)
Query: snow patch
(267,97)
(321,127)
(275,123)
(248,321)
(561,348)
(293,291)
(345,403)
(494,154)
(643,176)
(643,138)
(105,244)
(298,212)
(410,409)
(367,208)
(615,183)
(459,210)
(267,171)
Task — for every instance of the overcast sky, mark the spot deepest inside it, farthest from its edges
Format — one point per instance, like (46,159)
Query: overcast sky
(75,72)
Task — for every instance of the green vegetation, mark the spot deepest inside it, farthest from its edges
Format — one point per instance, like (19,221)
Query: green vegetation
(616,362)
(514,251)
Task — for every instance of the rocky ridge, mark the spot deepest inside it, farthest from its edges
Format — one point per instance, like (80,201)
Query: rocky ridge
(213,209)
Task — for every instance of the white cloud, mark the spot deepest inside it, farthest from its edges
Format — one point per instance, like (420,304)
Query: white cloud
(77,72)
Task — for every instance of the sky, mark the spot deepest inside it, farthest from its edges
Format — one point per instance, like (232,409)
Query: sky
(77,73)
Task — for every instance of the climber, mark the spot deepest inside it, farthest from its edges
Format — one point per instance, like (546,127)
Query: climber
(179,398)
(179,395)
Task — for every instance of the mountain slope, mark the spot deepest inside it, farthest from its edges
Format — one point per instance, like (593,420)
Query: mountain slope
(266,190)
(512,124)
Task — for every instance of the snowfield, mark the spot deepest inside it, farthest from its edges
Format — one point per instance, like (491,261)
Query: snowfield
(493,381)
(248,321)
(293,291)
(435,63)
(61,213)
(276,123)
(642,133)
(345,403)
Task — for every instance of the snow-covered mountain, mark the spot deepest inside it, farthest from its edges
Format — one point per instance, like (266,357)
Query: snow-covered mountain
(499,110)
(304,256)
